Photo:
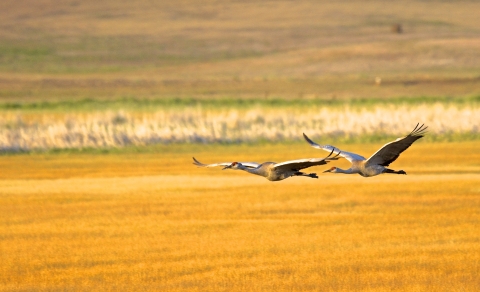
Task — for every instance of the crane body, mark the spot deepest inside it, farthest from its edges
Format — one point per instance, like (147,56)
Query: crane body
(274,171)
(378,162)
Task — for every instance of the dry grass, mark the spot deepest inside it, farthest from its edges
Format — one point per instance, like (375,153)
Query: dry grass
(44,130)
(301,49)
(153,221)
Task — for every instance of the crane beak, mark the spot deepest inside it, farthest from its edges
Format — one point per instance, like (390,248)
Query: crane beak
(328,170)
(228,166)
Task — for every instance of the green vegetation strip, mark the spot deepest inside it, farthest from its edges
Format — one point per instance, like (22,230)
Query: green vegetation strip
(142,104)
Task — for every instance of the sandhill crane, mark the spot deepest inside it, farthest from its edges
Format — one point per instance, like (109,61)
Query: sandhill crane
(274,171)
(377,163)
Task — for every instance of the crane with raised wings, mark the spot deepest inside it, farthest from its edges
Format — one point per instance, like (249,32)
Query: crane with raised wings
(378,162)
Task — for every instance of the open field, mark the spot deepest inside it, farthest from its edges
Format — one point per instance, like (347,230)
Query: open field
(88,74)
(307,49)
(236,80)
(152,221)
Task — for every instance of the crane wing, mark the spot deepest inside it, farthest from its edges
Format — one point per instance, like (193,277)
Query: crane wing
(299,163)
(304,163)
(347,155)
(390,151)
(246,164)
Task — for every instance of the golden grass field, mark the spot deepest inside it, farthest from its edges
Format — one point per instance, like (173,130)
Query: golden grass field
(152,221)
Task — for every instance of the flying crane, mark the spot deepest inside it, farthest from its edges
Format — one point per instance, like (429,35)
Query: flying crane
(274,171)
(378,162)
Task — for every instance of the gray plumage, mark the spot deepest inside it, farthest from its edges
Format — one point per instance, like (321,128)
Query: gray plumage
(274,171)
(378,162)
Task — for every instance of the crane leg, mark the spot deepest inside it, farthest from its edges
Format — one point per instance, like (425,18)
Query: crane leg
(312,175)
(387,170)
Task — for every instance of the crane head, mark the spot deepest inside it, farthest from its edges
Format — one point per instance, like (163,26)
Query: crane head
(333,169)
(234,165)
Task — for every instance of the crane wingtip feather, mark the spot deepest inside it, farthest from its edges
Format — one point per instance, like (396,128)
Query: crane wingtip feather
(419,130)
(309,141)
(196,162)
(306,138)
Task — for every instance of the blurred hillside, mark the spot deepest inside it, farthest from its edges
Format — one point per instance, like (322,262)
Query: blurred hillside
(68,50)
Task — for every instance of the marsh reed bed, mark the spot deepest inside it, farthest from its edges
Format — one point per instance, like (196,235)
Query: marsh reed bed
(44,130)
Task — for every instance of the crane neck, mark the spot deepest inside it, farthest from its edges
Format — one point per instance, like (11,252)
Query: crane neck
(251,170)
(346,171)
